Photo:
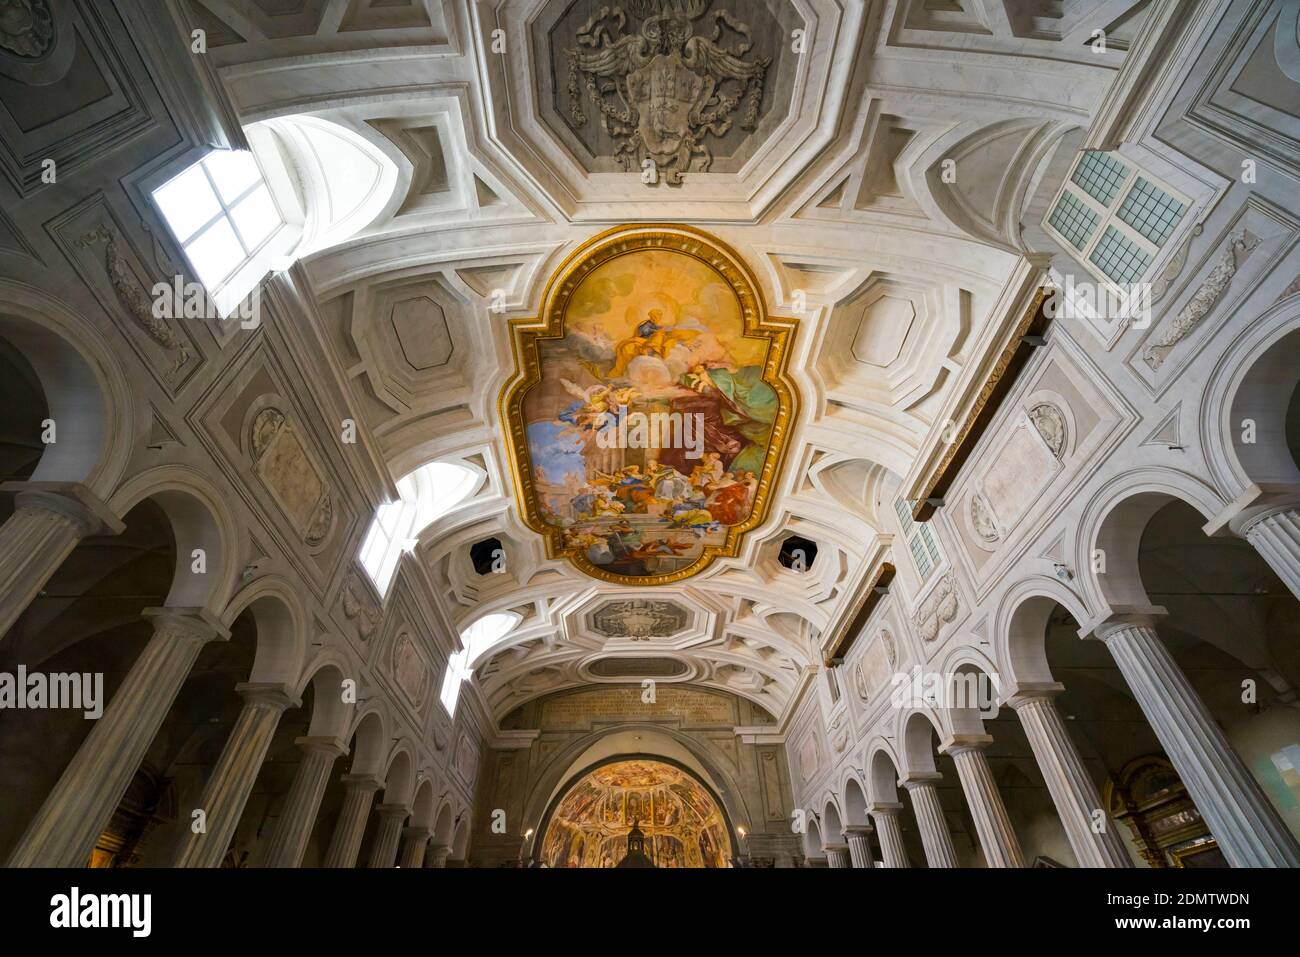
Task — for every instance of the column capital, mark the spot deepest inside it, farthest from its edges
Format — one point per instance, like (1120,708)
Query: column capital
(917,779)
(361,782)
(1253,505)
(885,808)
(72,500)
(323,744)
(390,811)
(958,743)
(1119,618)
(273,695)
(829,848)
(864,829)
(197,624)
(1025,692)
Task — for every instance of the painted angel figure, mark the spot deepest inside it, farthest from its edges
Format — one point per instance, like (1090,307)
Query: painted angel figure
(594,408)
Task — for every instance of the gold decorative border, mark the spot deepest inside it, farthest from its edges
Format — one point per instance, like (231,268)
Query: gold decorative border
(995,389)
(549,324)
(870,598)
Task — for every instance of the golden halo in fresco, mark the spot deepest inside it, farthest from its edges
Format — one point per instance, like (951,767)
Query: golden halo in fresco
(650,408)
(682,823)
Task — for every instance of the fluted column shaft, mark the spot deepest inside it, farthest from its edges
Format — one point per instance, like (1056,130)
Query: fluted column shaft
(992,823)
(1276,536)
(890,830)
(837,855)
(859,838)
(415,840)
(391,818)
(293,831)
(358,796)
(48,521)
(1091,832)
(91,787)
(235,774)
(1241,818)
(935,837)
(436,855)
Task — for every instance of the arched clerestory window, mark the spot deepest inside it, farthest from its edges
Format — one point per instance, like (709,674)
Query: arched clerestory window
(474,641)
(424,496)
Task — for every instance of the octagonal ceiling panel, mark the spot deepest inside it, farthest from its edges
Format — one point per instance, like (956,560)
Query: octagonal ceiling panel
(687,84)
(638,619)
(727,100)
(421,329)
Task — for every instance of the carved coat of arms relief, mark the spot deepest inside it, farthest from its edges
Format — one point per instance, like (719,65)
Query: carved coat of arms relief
(662,91)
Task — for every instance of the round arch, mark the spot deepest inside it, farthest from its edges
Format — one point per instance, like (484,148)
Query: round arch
(1111,529)
(330,715)
(370,732)
(281,622)
(572,779)
(653,742)
(423,804)
(1020,628)
(832,825)
(399,778)
(86,389)
(882,774)
(812,836)
(203,527)
(1254,379)
(915,729)
(442,826)
(855,803)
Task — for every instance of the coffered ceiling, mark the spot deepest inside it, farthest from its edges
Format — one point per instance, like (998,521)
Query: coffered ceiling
(878,165)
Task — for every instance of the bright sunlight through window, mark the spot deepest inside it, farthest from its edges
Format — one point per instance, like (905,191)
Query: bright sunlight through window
(426,494)
(221,212)
(474,640)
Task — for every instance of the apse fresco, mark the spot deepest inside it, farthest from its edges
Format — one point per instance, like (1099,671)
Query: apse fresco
(683,825)
(654,422)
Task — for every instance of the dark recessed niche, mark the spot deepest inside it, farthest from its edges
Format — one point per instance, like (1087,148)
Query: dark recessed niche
(486,554)
(798,554)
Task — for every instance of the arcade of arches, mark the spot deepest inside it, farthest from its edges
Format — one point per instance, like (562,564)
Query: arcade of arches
(427,442)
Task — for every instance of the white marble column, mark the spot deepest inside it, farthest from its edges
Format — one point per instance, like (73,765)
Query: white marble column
(358,796)
(992,823)
(383,853)
(935,837)
(48,521)
(1275,534)
(837,855)
(436,855)
(1240,816)
(892,851)
(1090,830)
(859,838)
(235,773)
(298,817)
(415,841)
(91,787)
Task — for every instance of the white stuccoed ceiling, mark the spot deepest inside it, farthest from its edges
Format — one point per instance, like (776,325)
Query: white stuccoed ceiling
(841,207)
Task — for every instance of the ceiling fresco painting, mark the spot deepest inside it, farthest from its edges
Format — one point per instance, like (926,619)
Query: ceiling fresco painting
(651,410)
(682,823)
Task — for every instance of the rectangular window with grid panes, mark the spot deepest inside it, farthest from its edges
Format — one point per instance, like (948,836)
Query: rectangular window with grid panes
(920,540)
(1114,216)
